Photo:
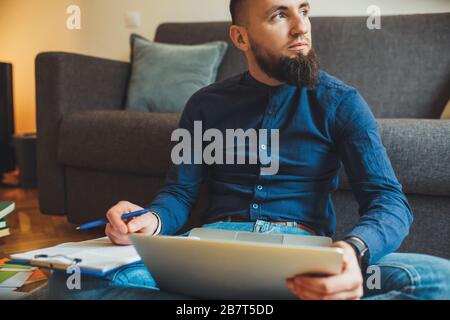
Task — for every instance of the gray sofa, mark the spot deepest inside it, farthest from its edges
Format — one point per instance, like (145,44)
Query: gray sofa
(92,154)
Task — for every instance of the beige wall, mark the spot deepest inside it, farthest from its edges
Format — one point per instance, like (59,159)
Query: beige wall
(28,27)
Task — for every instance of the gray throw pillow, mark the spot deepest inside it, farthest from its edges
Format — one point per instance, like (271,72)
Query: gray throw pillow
(165,76)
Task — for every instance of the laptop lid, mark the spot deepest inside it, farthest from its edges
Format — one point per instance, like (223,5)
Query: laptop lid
(225,269)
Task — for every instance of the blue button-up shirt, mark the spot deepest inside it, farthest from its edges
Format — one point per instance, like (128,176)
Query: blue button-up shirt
(319,130)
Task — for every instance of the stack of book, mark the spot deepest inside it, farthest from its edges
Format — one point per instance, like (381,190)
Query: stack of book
(16,280)
(6,207)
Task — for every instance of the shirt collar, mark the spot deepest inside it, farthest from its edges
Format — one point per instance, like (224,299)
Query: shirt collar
(249,80)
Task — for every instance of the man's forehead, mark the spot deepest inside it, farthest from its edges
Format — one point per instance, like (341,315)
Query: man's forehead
(267,6)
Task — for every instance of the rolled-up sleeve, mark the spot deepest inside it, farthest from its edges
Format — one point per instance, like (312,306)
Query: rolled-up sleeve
(385,214)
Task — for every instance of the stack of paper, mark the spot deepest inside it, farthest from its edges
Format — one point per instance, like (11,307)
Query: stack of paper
(13,277)
(6,207)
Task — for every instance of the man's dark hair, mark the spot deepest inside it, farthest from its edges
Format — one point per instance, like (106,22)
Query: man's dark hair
(236,10)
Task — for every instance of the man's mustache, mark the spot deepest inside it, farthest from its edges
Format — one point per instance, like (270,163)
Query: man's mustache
(299,42)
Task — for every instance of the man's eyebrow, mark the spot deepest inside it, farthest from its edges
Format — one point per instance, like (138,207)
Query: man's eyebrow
(305,5)
(281,7)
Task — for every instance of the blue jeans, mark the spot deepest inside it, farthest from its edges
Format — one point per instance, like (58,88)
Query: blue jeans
(400,275)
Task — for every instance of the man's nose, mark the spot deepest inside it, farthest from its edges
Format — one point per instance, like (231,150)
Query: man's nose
(300,25)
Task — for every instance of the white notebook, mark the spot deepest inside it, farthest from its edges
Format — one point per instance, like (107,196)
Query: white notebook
(96,257)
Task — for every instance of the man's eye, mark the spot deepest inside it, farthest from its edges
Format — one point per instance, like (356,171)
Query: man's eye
(278,16)
(305,13)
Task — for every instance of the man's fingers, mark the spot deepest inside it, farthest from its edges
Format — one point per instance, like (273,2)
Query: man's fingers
(115,236)
(117,230)
(302,293)
(114,216)
(119,239)
(311,295)
(329,285)
(141,222)
(307,294)
(346,285)
(347,295)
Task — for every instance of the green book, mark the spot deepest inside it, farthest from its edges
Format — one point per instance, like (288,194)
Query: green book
(2,223)
(15,266)
(6,207)
(5,275)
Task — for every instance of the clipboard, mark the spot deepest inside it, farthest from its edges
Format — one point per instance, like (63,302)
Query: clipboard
(97,257)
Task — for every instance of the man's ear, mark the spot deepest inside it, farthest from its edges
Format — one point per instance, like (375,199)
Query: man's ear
(239,37)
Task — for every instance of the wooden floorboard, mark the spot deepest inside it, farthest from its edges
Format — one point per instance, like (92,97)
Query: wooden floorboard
(30,229)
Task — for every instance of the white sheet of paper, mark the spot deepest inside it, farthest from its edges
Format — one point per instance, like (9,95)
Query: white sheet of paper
(97,255)
(17,280)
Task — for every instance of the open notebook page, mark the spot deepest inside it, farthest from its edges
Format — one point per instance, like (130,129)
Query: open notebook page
(98,255)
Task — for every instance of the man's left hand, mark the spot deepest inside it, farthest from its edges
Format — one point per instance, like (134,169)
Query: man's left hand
(348,285)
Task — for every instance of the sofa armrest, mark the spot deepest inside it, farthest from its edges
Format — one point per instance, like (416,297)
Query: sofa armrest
(67,83)
(419,151)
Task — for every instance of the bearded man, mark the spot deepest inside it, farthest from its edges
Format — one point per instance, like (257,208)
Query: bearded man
(322,124)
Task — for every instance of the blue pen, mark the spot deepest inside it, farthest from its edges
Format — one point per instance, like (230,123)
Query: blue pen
(103,222)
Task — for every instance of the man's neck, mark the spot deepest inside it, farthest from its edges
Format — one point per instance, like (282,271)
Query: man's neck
(261,76)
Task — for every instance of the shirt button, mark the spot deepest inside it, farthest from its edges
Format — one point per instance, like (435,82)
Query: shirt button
(259,187)
(263,146)
(255,206)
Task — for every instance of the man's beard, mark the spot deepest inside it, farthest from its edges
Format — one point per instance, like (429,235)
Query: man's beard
(300,70)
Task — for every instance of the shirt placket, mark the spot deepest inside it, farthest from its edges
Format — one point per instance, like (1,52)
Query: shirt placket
(260,187)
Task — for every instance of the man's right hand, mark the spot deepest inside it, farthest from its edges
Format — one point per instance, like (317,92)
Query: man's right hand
(118,230)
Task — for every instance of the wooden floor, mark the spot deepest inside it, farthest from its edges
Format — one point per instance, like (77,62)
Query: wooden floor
(30,229)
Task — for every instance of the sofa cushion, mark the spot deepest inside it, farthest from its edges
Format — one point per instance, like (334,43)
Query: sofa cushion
(117,141)
(128,142)
(419,152)
(165,76)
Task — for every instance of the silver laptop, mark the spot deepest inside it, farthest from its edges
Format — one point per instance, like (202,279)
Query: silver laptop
(246,236)
(223,264)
